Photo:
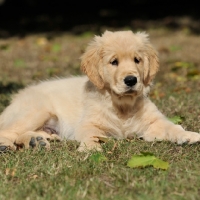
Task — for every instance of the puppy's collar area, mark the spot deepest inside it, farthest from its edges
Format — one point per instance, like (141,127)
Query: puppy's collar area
(130,91)
(124,104)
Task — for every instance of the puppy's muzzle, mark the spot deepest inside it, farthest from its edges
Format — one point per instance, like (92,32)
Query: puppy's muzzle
(130,80)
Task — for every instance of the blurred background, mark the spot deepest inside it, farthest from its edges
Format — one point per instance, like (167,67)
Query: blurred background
(20,17)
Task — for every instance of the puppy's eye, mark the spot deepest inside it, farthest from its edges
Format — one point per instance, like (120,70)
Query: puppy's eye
(137,61)
(114,62)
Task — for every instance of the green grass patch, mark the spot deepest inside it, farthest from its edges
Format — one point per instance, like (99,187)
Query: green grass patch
(64,173)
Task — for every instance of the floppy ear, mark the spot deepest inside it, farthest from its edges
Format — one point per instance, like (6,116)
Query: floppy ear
(151,64)
(91,63)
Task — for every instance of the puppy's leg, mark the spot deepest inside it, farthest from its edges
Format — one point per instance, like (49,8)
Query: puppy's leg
(162,129)
(88,138)
(29,111)
(34,139)
(90,144)
(29,122)
(6,144)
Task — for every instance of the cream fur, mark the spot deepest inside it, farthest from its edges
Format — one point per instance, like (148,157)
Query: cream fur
(82,109)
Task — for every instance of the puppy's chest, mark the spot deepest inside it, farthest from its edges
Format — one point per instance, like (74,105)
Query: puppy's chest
(120,126)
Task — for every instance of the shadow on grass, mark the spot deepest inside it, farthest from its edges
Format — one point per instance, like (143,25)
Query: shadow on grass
(10,87)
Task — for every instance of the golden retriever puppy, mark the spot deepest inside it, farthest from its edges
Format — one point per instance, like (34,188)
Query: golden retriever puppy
(111,101)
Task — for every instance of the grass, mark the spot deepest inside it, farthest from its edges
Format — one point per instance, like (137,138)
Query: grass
(64,173)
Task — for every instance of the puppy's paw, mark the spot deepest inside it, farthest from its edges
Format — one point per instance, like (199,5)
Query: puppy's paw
(89,146)
(187,137)
(34,140)
(150,137)
(6,144)
(53,137)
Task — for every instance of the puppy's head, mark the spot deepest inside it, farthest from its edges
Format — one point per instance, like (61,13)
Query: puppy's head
(121,61)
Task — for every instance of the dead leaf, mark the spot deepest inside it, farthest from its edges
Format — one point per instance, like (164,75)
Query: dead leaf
(10,172)
(42,41)
(102,138)
(7,172)
(35,176)
(115,145)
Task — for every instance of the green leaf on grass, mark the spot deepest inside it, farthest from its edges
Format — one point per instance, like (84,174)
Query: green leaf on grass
(183,65)
(56,48)
(97,158)
(147,159)
(176,119)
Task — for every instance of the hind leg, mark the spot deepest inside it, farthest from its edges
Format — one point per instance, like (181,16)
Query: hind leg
(30,139)
(29,111)
(6,144)
(20,127)
(35,139)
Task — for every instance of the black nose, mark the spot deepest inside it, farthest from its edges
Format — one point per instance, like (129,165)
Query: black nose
(130,81)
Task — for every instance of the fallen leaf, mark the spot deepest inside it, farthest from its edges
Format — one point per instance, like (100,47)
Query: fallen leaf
(42,41)
(35,176)
(7,171)
(182,88)
(102,138)
(147,159)
(176,119)
(179,65)
(193,72)
(188,90)
(56,48)
(114,147)
(10,172)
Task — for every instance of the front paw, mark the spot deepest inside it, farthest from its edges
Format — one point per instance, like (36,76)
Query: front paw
(187,137)
(179,136)
(154,136)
